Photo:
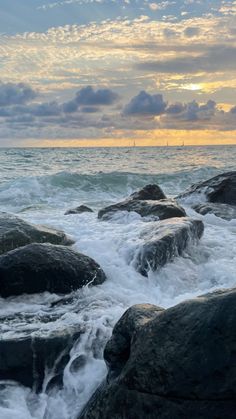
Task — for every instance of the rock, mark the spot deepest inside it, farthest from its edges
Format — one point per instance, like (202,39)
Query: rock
(162,241)
(78,210)
(15,232)
(148,201)
(29,359)
(45,267)
(164,208)
(221,188)
(225,211)
(149,192)
(181,364)
(117,350)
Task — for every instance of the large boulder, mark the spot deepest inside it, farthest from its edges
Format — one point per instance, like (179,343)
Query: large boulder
(45,267)
(225,211)
(15,232)
(78,210)
(148,201)
(163,209)
(221,188)
(161,241)
(180,364)
(29,359)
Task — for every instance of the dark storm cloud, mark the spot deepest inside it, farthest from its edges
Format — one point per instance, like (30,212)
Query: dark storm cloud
(14,94)
(145,104)
(217,58)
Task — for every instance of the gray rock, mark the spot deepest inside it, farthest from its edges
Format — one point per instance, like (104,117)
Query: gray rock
(78,210)
(221,188)
(181,364)
(162,241)
(45,267)
(225,211)
(163,209)
(15,232)
(27,359)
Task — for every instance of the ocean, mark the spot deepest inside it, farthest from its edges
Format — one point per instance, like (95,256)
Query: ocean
(39,185)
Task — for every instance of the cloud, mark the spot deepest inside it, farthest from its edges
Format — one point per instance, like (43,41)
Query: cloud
(233,110)
(53,119)
(88,96)
(218,58)
(161,6)
(14,94)
(191,31)
(145,104)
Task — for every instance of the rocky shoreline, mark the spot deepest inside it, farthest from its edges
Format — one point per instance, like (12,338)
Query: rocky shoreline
(179,362)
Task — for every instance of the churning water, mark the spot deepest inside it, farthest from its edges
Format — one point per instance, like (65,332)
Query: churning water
(40,185)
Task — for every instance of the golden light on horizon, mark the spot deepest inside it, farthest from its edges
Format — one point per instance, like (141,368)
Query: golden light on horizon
(150,138)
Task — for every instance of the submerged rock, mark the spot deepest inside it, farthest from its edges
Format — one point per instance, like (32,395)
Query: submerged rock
(164,208)
(180,364)
(78,210)
(162,241)
(227,212)
(221,188)
(149,193)
(45,267)
(28,360)
(15,232)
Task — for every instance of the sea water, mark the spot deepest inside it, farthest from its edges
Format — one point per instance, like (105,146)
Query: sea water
(39,185)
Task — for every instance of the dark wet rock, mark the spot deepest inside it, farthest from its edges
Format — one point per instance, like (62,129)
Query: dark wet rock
(45,267)
(27,359)
(181,364)
(225,211)
(162,241)
(149,192)
(15,232)
(78,210)
(221,188)
(117,350)
(148,201)
(163,209)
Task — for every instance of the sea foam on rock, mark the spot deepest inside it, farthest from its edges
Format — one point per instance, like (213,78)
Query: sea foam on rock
(45,267)
(163,240)
(148,201)
(78,210)
(225,211)
(180,363)
(30,358)
(15,232)
(221,189)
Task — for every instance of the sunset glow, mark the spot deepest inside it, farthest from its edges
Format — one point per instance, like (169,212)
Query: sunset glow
(97,74)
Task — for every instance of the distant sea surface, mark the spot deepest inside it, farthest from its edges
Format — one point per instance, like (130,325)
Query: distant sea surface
(39,185)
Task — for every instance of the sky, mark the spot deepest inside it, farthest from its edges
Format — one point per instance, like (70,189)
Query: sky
(117,72)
